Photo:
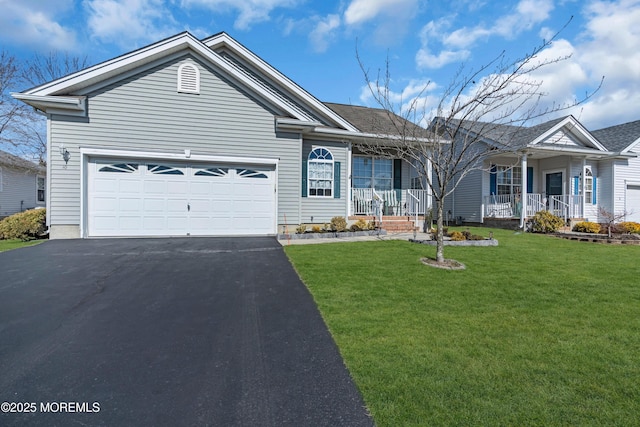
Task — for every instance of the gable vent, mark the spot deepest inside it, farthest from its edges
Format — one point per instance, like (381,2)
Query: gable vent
(188,79)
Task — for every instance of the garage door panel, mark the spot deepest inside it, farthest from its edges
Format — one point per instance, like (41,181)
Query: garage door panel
(129,223)
(156,199)
(633,203)
(129,205)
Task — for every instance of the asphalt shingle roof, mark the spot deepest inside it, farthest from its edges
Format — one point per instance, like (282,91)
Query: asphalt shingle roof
(8,159)
(375,120)
(617,138)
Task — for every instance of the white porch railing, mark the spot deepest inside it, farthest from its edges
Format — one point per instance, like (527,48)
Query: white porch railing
(535,203)
(362,201)
(502,206)
(417,202)
(392,202)
(566,206)
(510,206)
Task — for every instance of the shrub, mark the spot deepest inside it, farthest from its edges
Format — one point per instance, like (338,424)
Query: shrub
(316,229)
(301,229)
(628,227)
(546,222)
(338,223)
(27,225)
(359,225)
(371,225)
(476,237)
(457,236)
(586,227)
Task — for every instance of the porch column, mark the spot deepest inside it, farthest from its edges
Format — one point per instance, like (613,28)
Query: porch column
(523,190)
(349,196)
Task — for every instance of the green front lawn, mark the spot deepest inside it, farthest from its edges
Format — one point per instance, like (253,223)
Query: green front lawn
(6,245)
(537,331)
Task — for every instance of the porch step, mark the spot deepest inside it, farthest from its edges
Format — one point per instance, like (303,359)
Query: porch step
(398,224)
(392,224)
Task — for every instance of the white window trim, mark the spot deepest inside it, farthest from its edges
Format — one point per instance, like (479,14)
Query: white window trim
(587,200)
(332,162)
(44,188)
(182,87)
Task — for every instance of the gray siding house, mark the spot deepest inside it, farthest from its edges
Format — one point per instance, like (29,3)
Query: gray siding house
(201,137)
(558,166)
(22,185)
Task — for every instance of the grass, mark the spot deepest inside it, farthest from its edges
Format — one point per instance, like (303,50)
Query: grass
(7,245)
(537,331)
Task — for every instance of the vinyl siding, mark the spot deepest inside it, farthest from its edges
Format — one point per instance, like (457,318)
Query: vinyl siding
(466,201)
(624,171)
(18,191)
(322,209)
(145,112)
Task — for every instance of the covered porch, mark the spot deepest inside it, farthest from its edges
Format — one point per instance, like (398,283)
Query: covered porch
(399,202)
(511,206)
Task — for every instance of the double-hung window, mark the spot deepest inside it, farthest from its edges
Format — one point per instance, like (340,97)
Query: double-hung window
(320,173)
(371,172)
(508,179)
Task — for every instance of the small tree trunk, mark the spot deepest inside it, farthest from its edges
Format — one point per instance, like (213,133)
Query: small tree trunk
(440,233)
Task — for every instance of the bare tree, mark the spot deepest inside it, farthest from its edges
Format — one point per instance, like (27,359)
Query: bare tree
(610,218)
(12,113)
(44,68)
(22,129)
(489,104)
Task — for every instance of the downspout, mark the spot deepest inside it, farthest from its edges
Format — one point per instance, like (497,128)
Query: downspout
(523,191)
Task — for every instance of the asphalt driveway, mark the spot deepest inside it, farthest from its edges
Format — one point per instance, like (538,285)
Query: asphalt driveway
(183,331)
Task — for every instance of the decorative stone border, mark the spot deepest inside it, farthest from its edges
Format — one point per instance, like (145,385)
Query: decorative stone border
(593,239)
(332,235)
(486,242)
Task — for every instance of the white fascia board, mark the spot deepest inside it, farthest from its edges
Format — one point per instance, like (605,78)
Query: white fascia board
(54,104)
(116,66)
(153,155)
(631,146)
(227,41)
(320,131)
(580,151)
(94,75)
(296,125)
(570,122)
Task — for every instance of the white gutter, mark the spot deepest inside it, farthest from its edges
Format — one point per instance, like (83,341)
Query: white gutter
(47,102)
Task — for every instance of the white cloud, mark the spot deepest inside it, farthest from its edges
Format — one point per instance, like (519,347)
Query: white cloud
(609,48)
(249,11)
(33,23)
(457,44)
(361,11)
(127,22)
(425,59)
(323,32)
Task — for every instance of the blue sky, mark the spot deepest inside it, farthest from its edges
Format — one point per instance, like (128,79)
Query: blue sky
(314,42)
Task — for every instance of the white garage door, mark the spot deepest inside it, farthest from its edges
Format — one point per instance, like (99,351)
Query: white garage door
(154,198)
(633,203)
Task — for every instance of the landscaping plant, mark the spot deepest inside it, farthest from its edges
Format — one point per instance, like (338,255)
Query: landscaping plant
(546,222)
(27,225)
(586,227)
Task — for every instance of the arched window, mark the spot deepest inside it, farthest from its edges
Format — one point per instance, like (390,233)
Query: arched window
(188,78)
(320,173)
(588,185)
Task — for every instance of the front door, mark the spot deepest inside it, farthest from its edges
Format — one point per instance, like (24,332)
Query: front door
(554,184)
(553,187)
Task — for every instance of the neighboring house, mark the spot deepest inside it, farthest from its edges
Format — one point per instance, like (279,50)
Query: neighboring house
(22,184)
(560,166)
(202,137)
